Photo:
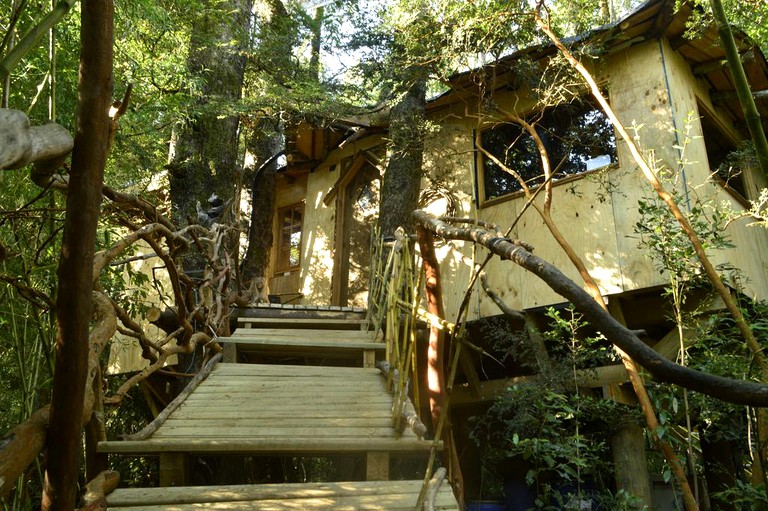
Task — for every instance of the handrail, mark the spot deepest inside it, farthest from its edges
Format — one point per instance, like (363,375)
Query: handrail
(394,309)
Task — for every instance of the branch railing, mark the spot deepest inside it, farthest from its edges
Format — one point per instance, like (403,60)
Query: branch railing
(393,306)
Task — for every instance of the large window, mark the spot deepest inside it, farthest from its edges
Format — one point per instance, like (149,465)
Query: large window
(289,237)
(578,137)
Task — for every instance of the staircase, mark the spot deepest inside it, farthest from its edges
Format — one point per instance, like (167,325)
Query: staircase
(295,382)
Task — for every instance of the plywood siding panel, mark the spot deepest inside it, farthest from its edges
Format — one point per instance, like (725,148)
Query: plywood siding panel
(639,98)
(504,277)
(449,170)
(749,269)
(582,211)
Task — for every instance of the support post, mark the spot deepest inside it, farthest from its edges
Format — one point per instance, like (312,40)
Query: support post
(173,469)
(377,466)
(369,358)
(230,353)
(631,465)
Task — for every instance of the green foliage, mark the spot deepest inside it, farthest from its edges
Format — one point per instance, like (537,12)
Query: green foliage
(669,246)
(744,497)
(559,432)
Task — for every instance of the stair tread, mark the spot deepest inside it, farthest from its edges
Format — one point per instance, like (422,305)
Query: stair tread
(373,495)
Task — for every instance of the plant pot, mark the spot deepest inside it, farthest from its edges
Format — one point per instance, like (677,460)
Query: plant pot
(486,505)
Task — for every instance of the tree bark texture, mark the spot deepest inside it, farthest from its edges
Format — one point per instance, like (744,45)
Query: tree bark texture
(402,180)
(23,144)
(75,273)
(265,143)
(726,389)
(204,157)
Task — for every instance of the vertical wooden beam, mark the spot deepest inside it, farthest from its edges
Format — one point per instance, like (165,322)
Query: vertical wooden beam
(628,441)
(75,272)
(173,469)
(230,352)
(377,466)
(369,358)
(630,462)
(436,357)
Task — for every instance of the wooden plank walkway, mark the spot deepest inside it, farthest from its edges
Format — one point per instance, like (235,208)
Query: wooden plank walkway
(346,496)
(278,409)
(256,408)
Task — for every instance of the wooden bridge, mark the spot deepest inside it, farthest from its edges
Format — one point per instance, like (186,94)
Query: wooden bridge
(286,388)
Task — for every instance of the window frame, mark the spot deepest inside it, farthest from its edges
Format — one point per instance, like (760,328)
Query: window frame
(283,257)
(480,159)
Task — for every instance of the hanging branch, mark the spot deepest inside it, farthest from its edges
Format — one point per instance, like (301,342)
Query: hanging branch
(726,389)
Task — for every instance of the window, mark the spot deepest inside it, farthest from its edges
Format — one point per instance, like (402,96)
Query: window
(289,237)
(724,160)
(578,137)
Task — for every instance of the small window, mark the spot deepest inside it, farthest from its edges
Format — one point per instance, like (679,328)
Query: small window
(578,136)
(289,237)
(724,159)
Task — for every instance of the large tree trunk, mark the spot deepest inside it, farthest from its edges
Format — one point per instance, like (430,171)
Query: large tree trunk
(402,180)
(265,143)
(204,156)
(73,305)
(204,168)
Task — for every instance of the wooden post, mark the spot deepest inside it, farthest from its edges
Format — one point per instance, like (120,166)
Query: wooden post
(436,354)
(377,466)
(369,358)
(631,465)
(173,469)
(230,352)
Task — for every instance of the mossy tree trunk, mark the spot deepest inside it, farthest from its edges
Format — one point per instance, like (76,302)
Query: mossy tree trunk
(265,143)
(402,179)
(204,154)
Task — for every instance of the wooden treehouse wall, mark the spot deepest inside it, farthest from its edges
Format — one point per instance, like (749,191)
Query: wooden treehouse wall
(597,212)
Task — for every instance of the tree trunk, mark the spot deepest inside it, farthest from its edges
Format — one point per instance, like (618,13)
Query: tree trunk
(204,156)
(266,142)
(265,146)
(402,180)
(75,274)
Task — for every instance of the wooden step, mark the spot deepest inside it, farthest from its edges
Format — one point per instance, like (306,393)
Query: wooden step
(304,323)
(308,334)
(309,342)
(281,409)
(343,496)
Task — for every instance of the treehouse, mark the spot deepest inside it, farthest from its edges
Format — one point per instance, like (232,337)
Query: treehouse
(676,91)
(675,95)
(528,140)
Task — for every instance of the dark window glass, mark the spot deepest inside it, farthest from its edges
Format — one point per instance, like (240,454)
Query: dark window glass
(723,157)
(578,137)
